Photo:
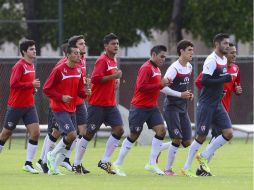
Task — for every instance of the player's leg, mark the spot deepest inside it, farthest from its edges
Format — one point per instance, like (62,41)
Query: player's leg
(31,121)
(39,162)
(112,118)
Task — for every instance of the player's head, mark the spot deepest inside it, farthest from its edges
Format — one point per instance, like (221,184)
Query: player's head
(73,53)
(27,48)
(231,54)
(158,54)
(111,43)
(185,49)
(79,41)
(221,43)
(64,47)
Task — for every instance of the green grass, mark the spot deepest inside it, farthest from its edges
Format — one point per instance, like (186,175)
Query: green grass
(232,165)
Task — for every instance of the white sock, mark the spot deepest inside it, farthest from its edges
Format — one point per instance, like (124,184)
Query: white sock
(73,145)
(80,151)
(1,148)
(171,156)
(210,158)
(59,148)
(156,147)
(126,146)
(165,146)
(31,150)
(43,147)
(194,147)
(217,143)
(111,145)
(50,145)
(60,156)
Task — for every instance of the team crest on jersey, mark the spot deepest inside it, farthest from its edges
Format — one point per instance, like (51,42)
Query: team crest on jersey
(66,126)
(79,70)
(10,124)
(186,79)
(176,131)
(224,70)
(65,71)
(93,127)
(138,128)
(203,128)
(235,69)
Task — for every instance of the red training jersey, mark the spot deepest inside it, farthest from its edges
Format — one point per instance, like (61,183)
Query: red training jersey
(64,80)
(82,64)
(103,93)
(21,87)
(148,85)
(229,87)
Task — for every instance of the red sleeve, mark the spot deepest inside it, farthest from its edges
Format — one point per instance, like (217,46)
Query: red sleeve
(49,86)
(15,80)
(143,84)
(98,71)
(198,81)
(81,89)
(238,81)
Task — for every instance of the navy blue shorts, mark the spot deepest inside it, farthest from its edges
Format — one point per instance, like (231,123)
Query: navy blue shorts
(97,115)
(138,116)
(178,124)
(67,122)
(13,115)
(52,123)
(81,114)
(208,116)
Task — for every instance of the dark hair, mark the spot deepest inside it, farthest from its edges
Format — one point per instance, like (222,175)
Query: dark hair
(183,44)
(64,46)
(24,45)
(231,44)
(69,48)
(157,49)
(73,40)
(109,37)
(219,37)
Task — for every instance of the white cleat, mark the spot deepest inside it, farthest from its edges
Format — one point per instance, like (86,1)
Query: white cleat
(154,169)
(38,166)
(30,169)
(118,170)
(66,165)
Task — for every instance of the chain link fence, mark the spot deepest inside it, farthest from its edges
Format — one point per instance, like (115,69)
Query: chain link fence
(241,107)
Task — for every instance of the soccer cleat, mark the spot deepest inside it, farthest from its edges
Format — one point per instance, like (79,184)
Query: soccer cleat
(201,172)
(51,163)
(66,164)
(203,162)
(170,173)
(39,165)
(154,169)
(45,168)
(30,169)
(188,173)
(106,166)
(57,172)
(84,170)
(118,170)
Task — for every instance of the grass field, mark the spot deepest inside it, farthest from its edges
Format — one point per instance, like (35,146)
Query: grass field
(232,165)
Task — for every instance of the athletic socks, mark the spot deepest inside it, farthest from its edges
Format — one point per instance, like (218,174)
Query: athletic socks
(171,155)
(31,150)
(156,144)
(194,147)
(126,146)
(111,145)
(80,151)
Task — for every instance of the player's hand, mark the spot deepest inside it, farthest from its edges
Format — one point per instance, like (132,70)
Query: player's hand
(164,82)
(238,89)
(66,98)
(36,83)
(88,92)
(170,81)
(186,95)
(117,83)
(118,74)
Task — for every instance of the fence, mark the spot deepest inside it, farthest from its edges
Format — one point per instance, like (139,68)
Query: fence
(241,107)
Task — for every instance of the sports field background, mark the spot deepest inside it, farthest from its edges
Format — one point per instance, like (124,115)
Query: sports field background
(232,167)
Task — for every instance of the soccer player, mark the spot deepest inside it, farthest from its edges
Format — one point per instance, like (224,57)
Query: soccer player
(102,102)
(209,107)
(63,86)
(144,108)
(229,88)
(175,104)
(23,85)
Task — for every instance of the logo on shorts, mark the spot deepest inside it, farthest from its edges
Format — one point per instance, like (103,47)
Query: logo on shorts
(93,127)
(66,126)
(137,129)
(176,131)
(10,124)
(203,128)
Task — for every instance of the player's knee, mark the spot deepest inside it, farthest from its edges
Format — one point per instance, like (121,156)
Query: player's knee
(201,138)
(177,141)
(118,131)
(161,132)
(56,134)
(228,135)
(186,143)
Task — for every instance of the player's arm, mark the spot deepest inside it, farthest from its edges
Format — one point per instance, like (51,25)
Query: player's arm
(81,89)
(198,81)
(143,84)
(15,80)
(208,69)
(49,86)
(238,87)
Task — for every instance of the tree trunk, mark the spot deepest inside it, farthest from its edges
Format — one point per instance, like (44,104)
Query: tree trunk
(175,26)
(31,7)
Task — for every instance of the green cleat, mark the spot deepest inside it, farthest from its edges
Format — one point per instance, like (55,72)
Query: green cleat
(188,173)
(118,170)
(51,163)
(203,163)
